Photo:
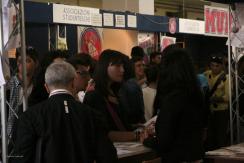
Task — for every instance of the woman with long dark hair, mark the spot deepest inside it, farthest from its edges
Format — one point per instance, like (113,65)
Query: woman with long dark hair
(109,75)
(179,102)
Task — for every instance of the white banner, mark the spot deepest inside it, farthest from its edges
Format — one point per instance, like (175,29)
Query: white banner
(73,14)
(191,26)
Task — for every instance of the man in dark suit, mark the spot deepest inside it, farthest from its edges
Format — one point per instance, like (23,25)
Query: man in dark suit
(61,129)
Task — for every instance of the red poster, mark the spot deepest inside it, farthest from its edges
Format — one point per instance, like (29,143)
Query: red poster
(90,42)
(216,21)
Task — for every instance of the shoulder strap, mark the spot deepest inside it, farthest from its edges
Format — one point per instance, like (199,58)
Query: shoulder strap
(222,77)
(115,117)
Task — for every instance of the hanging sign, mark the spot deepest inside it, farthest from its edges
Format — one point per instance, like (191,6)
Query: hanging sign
(73,14)
(216,21)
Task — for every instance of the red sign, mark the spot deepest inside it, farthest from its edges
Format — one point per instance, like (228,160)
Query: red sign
(91,42)
(216,21)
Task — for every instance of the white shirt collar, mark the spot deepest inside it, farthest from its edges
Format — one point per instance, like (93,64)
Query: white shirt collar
(60,91)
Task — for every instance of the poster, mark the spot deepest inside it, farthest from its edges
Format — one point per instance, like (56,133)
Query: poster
(166,41)
(148,41)
(216,21)
(90,41)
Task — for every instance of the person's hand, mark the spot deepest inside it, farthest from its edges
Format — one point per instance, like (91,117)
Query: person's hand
(148,131)
(90,86)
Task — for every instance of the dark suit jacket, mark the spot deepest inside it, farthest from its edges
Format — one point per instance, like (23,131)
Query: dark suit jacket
(66,137)
(179,128)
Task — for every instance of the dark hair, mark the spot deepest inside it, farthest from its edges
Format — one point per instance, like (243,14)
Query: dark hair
(85,59)
(30,52)
(137,51)
(177,73)
(101,77)
(76,61)
(153,55)
(152,73)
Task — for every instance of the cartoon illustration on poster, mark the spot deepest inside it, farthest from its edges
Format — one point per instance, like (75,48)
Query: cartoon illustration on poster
(166,41)
(90,41)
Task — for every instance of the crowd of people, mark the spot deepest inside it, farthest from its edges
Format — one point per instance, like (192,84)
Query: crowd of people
(77,107)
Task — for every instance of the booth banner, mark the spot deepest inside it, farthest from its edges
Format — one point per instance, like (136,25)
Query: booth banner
(147,41)
(73,14)
(90,41)
(216,21)
(191,26)
(166,41)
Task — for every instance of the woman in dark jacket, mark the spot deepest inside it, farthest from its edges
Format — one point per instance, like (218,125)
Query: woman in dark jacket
(109,74)
(179,101)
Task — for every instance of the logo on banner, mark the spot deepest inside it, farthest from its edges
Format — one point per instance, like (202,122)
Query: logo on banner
(172,25)
(91,42)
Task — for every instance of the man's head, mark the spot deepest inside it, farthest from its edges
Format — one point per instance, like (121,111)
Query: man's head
(155,58)
(83,76)
(216,64)
(137,51)
(31,61)
(60,75)
(138,67)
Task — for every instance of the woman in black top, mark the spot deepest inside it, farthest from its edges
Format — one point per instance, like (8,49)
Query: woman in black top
(179,100)
(109,74)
